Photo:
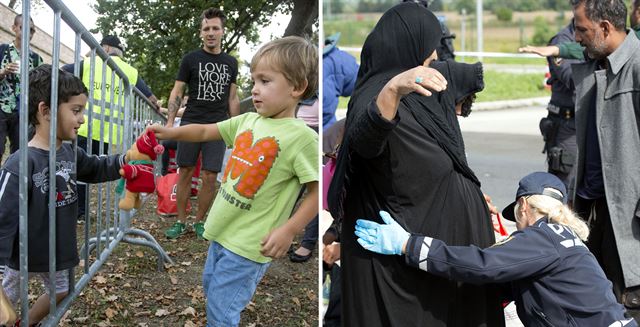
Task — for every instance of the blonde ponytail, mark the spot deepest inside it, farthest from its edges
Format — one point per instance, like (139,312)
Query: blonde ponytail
(559,213)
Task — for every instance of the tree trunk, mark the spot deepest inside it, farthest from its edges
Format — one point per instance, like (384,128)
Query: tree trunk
(303,15)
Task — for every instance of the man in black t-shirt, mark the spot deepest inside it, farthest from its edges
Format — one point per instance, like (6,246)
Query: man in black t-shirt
(210,76)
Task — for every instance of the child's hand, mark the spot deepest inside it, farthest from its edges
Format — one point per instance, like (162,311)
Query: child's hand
(160,131)
(331,253)
(276,243)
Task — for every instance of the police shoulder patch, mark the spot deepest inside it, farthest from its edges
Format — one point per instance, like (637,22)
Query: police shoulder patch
(503,241)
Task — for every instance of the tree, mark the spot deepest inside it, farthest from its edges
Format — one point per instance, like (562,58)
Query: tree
(158,34)
(13,4)
(303,16)
(468,5)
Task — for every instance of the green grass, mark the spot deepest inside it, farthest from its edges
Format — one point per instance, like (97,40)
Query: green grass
(501,86)
(506,86)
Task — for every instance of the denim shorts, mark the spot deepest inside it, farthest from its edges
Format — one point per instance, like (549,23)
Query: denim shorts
(229,282)
(11,282)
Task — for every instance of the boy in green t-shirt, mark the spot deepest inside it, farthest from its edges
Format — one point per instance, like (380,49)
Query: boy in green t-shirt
(274,155)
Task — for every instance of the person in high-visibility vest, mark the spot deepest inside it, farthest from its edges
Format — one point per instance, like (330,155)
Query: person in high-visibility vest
(113,123)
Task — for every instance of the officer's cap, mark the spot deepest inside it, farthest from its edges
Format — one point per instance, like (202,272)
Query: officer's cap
(537,183)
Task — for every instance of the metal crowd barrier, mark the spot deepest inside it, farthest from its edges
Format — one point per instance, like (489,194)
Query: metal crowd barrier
(110,225)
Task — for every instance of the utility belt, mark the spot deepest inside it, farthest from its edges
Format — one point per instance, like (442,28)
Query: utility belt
(562,112)
(559,159)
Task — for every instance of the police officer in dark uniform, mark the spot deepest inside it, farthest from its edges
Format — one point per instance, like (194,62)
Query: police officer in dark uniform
(545,266)
(559,128)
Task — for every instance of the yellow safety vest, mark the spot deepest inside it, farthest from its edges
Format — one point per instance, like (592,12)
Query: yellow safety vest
(110,120)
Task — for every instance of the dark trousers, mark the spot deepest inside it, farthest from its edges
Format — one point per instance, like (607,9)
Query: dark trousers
(168,144)
(9,128)
(601,240)
(332,317)
(602,244)
(310,237)
(562,151)
(82,188)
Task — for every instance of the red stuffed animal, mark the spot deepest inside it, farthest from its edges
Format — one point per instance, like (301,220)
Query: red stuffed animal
(138,173)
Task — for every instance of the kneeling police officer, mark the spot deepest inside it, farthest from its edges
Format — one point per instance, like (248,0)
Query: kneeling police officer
(545,266)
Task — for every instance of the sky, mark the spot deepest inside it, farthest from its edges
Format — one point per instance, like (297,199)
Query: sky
(43,18)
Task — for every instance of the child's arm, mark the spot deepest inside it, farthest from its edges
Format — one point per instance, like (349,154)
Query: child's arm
(276,243)
(189,133)
(97,169)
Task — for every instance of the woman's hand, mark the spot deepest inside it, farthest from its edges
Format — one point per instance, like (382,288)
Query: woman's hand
(492,209)
(421,80)
(389,238)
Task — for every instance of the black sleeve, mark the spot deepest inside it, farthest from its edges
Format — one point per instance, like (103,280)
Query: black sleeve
(369,130)
(143,87)
(97,169)
(520,256)
(9,210)
(183,72)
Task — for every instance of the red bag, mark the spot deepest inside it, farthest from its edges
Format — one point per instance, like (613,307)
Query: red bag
(166,187)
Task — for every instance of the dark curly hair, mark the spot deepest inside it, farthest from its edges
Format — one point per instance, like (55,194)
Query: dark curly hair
(40,88)
(614,11)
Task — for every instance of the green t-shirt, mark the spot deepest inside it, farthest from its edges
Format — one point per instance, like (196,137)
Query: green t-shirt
(271,159)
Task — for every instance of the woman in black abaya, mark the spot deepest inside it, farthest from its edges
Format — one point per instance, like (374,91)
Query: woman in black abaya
(403,153)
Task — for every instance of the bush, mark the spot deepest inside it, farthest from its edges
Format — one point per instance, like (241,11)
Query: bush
(504,14)
(541,31)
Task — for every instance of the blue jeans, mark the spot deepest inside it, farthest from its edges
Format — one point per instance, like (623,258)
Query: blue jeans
(229,282)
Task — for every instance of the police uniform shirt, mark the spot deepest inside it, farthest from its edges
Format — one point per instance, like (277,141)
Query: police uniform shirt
(553,277)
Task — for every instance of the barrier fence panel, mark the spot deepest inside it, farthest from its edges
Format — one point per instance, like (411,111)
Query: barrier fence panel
(123,113)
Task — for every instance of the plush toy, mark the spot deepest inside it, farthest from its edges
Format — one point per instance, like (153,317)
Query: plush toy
(137,174)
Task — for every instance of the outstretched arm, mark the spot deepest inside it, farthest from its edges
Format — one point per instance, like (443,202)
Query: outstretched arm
(545,51)
(189,133)
(523,255)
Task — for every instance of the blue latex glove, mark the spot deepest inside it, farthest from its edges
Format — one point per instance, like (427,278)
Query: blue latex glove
(383,239)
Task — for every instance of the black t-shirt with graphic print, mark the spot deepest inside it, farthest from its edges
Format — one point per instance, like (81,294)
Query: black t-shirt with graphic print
(209,78)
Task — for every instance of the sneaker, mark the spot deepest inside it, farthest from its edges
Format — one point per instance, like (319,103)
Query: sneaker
(178,228)
(198,228)
(81,219)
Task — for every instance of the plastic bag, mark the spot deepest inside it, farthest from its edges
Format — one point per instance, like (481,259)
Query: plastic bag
(166,189)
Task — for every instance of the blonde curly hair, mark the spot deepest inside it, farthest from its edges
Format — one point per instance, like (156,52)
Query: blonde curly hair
(558,213)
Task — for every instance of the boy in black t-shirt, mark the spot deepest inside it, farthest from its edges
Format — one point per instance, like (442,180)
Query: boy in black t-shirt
(72,98)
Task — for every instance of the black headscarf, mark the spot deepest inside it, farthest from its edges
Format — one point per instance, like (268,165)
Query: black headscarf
(403,38)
